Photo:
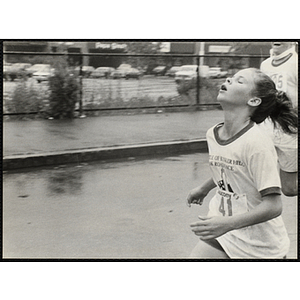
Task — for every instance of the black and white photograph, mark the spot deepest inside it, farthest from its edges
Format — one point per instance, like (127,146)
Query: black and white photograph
(150,150)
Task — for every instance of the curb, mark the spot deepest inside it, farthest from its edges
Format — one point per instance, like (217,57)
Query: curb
(98,154)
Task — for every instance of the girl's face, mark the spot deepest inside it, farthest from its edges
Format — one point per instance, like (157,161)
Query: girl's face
(238,89)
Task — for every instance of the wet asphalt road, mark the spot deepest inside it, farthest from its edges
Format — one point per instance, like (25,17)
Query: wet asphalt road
(131,209)
(44,136)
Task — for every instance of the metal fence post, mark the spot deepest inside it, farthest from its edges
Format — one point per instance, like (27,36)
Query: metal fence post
(81,115)
(198,83)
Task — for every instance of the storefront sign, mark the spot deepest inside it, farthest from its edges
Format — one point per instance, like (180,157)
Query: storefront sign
(111,46)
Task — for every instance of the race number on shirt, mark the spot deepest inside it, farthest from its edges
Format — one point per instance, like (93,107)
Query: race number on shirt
(280,80)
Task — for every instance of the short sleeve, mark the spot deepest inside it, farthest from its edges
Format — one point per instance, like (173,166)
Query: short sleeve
(287,150)
(264,171)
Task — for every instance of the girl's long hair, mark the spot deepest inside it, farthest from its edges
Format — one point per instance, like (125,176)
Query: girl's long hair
(275,104)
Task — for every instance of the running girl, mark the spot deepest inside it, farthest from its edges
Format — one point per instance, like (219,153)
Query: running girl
(244,215)
(282,67)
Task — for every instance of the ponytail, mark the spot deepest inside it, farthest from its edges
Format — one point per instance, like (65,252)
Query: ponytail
(274,104)
(284,114)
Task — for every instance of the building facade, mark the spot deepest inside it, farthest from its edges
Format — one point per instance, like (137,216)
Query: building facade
(186,47)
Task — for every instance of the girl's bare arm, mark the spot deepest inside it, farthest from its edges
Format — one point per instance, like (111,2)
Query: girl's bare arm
(212,227)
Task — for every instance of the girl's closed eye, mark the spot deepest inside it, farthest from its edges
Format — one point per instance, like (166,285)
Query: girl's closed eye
(240,80)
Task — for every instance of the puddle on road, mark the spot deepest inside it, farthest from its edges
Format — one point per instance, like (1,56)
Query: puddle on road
(65,181)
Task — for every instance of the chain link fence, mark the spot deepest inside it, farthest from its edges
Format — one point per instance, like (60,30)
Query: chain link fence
(138,81)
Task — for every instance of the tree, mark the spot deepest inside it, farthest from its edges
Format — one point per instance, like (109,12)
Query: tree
(143,48)
(64,89)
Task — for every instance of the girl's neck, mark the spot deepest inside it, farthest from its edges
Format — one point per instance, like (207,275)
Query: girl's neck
(233,123)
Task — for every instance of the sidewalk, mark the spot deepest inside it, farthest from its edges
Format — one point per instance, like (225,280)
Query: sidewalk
(48,142)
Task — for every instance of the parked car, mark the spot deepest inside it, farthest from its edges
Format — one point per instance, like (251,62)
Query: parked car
(23,66)
(133,73)
(119,73)
(9,73)
(216,72)
(37,68)
(124,66)
(14,71)
(160,70)
(43,74)
(171,72)
(189,72)
(86,71)
(102,72)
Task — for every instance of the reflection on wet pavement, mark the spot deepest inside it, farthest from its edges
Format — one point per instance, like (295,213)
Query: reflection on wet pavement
(65,180)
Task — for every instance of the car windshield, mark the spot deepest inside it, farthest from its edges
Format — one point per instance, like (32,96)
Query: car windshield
(124,66)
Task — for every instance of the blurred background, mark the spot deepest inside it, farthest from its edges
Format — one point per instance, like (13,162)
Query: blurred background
(63,79)
(57,201)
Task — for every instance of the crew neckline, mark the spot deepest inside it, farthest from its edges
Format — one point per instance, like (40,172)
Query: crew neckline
(278,60)
(233,138)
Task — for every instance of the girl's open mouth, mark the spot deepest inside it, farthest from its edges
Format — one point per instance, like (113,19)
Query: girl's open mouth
(223,87)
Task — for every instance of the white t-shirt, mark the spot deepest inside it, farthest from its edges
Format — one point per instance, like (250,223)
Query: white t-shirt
(285,144)
(283,69)
(245,169)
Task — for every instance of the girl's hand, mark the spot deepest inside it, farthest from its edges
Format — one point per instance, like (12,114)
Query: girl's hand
(195,196)
(211,227)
